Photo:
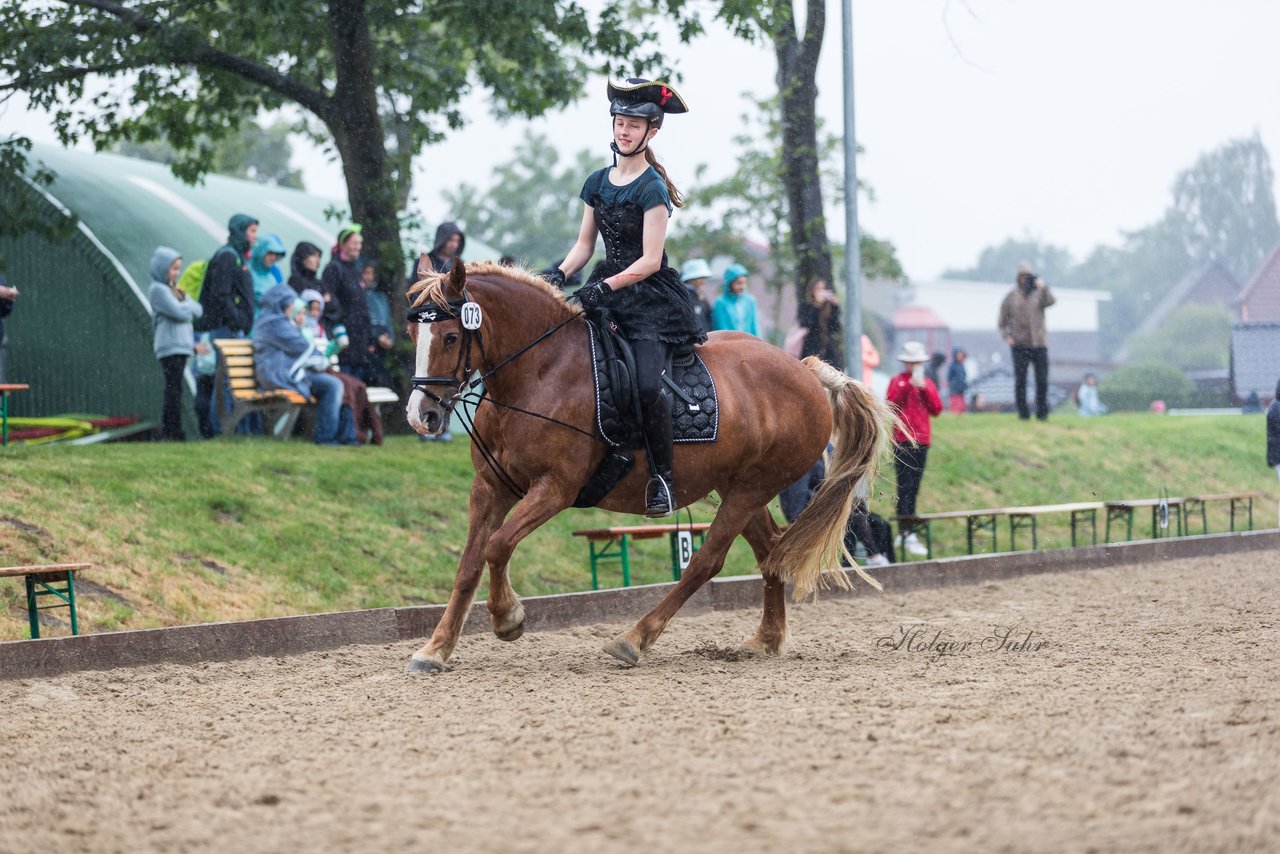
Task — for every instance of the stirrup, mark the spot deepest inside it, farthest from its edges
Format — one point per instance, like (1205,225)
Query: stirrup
(660,500)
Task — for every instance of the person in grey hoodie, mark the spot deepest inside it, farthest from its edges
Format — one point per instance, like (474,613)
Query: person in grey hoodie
(172,313)
(284,358)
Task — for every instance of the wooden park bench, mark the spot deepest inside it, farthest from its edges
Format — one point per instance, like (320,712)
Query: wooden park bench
(614,544)
(5,390)
(1021,518)
(280,407)
(1243,500)
(1123,510)
(40,582)
(984,521)
(976,522)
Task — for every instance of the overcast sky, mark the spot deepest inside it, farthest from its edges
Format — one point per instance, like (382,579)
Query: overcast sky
(1064,119)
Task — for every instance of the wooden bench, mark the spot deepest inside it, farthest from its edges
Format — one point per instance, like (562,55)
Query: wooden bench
(984,520)
(40,582)
(1124,510)
(280,407)
(614,544)
(1021,518)
(5,389)
(976,522)
(1193,503)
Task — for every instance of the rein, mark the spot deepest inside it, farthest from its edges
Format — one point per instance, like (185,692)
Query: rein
(465,392)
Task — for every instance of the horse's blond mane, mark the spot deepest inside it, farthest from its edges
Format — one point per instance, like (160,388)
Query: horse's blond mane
(431,287)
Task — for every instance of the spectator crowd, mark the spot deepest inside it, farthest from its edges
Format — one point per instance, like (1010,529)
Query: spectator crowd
(323,331)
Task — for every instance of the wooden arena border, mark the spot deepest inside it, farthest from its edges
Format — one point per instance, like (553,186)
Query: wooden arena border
(291,635)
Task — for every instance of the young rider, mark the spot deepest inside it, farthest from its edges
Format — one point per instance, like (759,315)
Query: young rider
(629,205)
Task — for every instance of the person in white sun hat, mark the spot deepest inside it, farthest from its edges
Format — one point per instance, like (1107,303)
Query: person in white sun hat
(915,400)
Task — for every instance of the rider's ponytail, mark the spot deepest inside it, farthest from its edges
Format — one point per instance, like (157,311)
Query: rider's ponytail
(677,198)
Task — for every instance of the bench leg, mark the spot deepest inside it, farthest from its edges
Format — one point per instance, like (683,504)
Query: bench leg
(284,421)
(71,602)
(626,561)
(595,578)
(33,611)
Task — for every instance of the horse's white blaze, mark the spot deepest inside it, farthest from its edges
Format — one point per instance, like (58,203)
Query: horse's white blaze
(422,368)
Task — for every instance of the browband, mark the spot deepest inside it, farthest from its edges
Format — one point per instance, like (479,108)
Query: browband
(433,312)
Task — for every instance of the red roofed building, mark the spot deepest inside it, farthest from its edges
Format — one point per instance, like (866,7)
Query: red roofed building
(1260,300)
(920,323)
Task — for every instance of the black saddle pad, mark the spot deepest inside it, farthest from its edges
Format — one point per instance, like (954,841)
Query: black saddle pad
(695,414)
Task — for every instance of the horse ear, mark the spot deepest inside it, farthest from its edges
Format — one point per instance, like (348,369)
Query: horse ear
(424,266)
(458,275)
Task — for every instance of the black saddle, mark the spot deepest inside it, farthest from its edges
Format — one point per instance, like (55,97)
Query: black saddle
(694,411)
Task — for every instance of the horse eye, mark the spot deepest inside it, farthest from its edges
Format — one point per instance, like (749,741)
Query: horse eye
(450,340)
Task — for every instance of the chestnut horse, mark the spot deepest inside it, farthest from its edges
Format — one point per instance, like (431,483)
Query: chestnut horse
(777,415)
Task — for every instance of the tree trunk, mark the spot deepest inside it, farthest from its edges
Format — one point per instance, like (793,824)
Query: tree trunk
(358,136)
(798,95)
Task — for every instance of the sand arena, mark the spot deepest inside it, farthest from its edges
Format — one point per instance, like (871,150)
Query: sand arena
(1141,715)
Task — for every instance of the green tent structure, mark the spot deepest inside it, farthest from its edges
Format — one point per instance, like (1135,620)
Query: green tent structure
(80,334)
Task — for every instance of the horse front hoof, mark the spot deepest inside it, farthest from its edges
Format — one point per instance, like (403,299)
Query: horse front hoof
(425,665)
(514,627)
(623,650)
(512,633)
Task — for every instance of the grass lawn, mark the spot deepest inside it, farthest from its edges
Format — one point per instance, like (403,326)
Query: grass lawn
(231,530)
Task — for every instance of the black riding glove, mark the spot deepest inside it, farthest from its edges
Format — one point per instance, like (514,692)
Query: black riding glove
(555,276)
(592,294)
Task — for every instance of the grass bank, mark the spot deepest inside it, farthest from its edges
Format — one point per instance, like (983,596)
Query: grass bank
(238,529)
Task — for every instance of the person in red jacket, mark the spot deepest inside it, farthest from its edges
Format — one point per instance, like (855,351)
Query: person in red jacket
(915,399)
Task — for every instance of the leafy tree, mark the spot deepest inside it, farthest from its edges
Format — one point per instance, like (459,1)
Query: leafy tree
(375,80)
(800,153)
(1134,386)
(21,180)
(532,210)
(998,263)
(1224,209)
(258,153)
(1193,336)
(754,200)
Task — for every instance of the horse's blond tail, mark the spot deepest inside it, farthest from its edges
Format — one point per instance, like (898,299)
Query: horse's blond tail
(807,554)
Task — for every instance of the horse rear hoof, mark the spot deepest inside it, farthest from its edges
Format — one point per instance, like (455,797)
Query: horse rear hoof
(512,633)
(424,665)
(623,651)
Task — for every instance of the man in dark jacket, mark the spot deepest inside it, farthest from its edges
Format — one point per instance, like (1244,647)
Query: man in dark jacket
(1021,322)
(285,359)
(227,295)
(450,241)
(227,300)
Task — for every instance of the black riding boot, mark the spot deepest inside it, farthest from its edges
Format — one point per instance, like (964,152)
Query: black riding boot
(660,497)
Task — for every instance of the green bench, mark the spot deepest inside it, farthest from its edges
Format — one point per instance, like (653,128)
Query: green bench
(609,545)
(41,581)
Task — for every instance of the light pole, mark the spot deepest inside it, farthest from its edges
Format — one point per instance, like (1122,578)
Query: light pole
(852,245)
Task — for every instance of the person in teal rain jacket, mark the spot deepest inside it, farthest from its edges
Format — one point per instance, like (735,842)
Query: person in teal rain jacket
(735,310)
(262,264)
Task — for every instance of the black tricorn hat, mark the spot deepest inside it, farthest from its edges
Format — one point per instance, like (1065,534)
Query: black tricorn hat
(648,99)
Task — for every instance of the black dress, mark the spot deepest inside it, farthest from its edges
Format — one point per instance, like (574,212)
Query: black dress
(824,337)
(658,308)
